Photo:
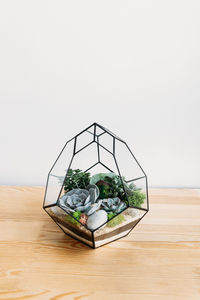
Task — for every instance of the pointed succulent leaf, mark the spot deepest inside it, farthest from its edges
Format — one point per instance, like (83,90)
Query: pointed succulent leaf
(87,199)
(95,187)
(82,208)
(93,208)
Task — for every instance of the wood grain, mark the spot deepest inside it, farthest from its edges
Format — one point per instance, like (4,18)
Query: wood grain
(160,259)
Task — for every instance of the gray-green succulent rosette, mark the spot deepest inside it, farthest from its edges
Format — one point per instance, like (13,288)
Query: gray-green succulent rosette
(114,205)
(83,200)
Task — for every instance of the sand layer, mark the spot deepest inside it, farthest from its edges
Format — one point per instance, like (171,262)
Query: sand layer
(105,232)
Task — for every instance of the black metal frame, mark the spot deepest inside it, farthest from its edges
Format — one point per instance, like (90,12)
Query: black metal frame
(96,140)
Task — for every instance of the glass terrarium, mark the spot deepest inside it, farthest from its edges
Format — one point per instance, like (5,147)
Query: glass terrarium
(96,190)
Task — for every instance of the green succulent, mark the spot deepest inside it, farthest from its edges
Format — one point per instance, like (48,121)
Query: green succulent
(110,185)
(101,176)
(110,215)
(104,189)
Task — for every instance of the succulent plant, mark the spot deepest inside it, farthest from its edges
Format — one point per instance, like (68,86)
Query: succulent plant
(111,186)
(101,176)
(83,200)
(103,188)
(114,205)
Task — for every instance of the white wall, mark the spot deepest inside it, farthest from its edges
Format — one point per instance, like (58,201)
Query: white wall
(132,66)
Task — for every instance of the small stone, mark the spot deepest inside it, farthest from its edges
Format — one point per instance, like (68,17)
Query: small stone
(97,219)
(83,219)
(132,212)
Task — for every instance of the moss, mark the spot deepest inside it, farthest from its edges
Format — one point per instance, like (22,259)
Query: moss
(116,221)
(77,215)
(136,199)
(71,220)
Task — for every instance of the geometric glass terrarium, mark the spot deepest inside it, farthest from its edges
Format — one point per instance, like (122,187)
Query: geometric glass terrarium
(96,190)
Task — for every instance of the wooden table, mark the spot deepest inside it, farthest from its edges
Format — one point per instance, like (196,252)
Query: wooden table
(160,259)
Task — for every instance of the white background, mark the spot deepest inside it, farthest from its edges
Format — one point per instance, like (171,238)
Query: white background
(132,66)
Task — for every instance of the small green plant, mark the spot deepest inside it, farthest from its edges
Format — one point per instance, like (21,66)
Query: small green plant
(136,199)
(110,185)
(77,215)
(115,186)
(116,221)
(104,189)
(110,215)
(76,179)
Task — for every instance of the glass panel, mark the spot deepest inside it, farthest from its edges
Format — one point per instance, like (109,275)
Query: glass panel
(128,166)
(84,138)
(139,196)
(118,226)
(85,158)
(99,130)
(70,225)
(106,140)
(112,134)
(108,160)
(98,169)
(57,174)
